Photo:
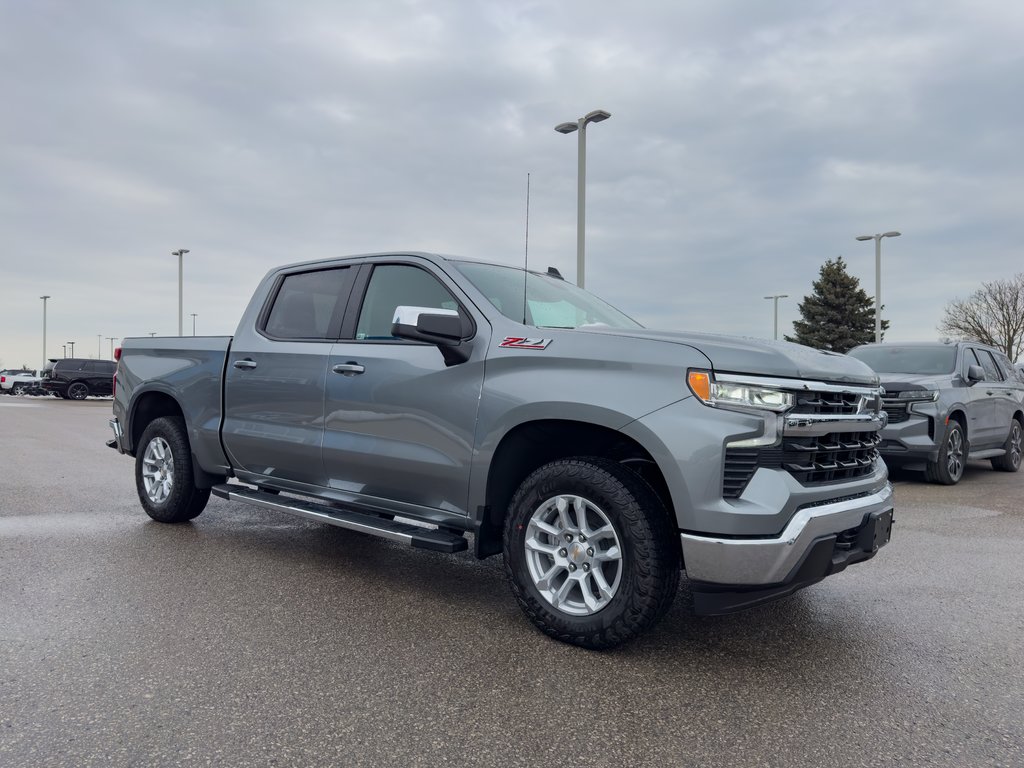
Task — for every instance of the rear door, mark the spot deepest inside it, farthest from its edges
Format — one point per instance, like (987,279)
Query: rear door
(399,423)
(276,371)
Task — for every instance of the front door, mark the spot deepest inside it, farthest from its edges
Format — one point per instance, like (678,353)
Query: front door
(398,422)
(984,429)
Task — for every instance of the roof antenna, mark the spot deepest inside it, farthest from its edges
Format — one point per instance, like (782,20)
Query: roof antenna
(526,254)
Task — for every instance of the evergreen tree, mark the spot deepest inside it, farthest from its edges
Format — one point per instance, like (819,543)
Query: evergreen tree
(839,315)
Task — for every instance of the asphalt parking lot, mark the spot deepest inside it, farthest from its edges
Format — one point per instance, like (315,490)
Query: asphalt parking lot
(258,639)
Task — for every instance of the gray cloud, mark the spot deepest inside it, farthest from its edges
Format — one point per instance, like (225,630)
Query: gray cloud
(749,143)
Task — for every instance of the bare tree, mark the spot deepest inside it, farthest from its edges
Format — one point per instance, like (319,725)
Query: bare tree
(994,314)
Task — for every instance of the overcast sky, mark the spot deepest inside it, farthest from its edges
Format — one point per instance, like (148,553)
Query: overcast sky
(748,143)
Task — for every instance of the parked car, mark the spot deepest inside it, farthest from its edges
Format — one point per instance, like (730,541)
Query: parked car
(18,381)
(598,457)
(76,378)
(947,403)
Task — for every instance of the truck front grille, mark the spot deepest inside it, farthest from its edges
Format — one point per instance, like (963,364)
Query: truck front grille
(897,411)
(829,403)
(831,458)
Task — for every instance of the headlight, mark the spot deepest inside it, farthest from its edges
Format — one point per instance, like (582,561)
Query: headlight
(723,393)
(919,395)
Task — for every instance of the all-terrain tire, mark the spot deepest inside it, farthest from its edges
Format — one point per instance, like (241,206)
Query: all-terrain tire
(952,457)
(163,473)
(596,495)
(1010,461)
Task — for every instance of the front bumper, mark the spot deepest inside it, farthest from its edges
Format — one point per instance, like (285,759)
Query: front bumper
(729,574)
(911,434)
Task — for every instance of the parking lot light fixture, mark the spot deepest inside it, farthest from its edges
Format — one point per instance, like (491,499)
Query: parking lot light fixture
(72,345)
(597,116)
(179,253)
(775,299)
(878,278)
(44,298)
(194,315)
(111,340)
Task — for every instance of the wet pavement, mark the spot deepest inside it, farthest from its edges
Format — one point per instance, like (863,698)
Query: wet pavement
(253,638)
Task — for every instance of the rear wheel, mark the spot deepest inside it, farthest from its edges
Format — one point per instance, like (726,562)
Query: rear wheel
(78,390)
(163,473)
(19,389)
(590,551)
(1010,461)
(952,455)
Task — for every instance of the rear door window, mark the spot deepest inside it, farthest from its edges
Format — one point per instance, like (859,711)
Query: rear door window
(308,305)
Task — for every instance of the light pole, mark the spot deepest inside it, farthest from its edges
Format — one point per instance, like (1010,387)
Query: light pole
(65,348)
(72,345)
(581,180)
(179,253)
(99,346)
(775,300)
(152,333)
(44,298)
(193,323)
(111,340)
(878,279)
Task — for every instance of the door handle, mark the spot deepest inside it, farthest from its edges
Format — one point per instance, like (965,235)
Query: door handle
(245,365)
(348,369)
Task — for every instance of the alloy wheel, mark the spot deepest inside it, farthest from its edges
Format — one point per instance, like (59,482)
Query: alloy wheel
(573,555)
(158,470)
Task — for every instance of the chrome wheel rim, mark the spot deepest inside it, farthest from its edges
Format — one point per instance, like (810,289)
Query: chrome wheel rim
(77,391)
(573,555)
(955,453)
(1015,444)
(158,470)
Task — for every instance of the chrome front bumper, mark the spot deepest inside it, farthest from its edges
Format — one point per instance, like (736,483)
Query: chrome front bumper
(753,562)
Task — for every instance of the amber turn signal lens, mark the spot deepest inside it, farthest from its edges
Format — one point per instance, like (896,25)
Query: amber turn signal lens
(700,384)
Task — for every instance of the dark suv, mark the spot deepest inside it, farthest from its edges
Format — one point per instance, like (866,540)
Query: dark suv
(75,379)
(948,403)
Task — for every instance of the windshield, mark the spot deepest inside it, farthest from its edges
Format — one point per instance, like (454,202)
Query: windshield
(887,358)
(550,302)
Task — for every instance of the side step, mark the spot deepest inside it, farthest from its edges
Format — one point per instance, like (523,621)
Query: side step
(413,535)
(989,453)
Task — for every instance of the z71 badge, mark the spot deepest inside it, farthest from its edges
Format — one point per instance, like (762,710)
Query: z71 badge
(518,342)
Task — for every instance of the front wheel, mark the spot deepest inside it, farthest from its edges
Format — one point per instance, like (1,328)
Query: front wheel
(592,557)
(952,455)
(163,473)
(1010,461)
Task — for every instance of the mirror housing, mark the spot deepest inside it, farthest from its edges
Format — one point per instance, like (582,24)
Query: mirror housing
(975,373)
(444,328)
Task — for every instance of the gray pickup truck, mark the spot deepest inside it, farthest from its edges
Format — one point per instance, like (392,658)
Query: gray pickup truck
(421,398)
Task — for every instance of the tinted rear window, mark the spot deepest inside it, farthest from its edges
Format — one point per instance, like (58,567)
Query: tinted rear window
(886,358)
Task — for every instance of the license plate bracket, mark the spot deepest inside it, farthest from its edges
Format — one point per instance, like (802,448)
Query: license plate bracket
(876,532)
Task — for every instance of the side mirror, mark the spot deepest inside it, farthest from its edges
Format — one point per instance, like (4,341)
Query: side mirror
(975,373)
(444,328)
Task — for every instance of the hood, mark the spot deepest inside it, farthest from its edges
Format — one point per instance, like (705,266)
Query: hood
(900,382)
(761,357)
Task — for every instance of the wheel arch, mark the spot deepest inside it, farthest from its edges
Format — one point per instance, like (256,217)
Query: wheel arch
(531,444)
(155,404)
